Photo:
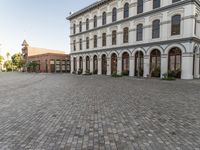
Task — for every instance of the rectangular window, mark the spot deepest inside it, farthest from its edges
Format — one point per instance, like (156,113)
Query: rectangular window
(156,4)
(114,38)
(104,39)
(74,44)
(140,6)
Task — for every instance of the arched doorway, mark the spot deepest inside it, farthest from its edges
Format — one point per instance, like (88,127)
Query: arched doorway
(80,70)
(95,64)
(113,63)
(155,63)
(87,64)
(80,63)
(139,64)
(125,63)
(75,65)
(174,65)
(104,64)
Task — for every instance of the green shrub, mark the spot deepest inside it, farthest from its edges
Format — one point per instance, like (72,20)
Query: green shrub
(95,71)
(175,73)
(115,75)
(80,71)
(87,72)
(156,72)
(166,76)
(125,73)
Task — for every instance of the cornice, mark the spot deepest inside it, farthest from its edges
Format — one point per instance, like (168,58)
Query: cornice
(88,8)
(140,15)
(189,39)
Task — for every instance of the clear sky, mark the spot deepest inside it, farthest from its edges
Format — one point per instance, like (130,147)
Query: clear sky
(41,22)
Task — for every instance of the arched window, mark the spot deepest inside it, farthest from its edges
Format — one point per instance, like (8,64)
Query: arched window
(114,37)
(175,58)
(95,21)
(140,5)
(125,35)
(126,10)
(155,63)
(104,18)
(139,32)
(156,29)
(87,24)
(95,41)
(95,64)
(80,44)
(74,28)
(104,39)
(81,64)
(87,43)
(125,63)
(113,63)
(88,64)
(114,14)
(139,64)
(80,26)
(104,64)
(156,4)
(176,25)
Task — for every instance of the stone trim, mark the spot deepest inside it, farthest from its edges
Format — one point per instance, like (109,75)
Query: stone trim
(140,45)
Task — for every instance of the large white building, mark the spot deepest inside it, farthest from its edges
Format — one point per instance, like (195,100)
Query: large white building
(137,37)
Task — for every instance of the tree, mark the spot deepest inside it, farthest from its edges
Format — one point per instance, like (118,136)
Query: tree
(17,60)
(7,55)
(1,60)
(8,65)
(32,66)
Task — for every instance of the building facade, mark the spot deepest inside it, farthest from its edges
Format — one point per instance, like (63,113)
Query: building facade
(48,61)
(137,38)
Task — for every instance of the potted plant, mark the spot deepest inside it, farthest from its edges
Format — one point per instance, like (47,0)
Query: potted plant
(95,71)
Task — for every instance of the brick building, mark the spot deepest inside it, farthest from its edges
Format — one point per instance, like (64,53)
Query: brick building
(49,61)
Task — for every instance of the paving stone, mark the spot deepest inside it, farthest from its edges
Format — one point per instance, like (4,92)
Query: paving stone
(63,112)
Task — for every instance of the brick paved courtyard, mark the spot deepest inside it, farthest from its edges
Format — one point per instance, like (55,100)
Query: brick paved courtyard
(63,112)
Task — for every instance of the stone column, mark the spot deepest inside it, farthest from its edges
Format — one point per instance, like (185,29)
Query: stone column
(146,66)
(196,69)
(164,64)
(99,66)
(132,66)
(108,66)
(77,62)
(91,65)
(187,66)
(119,65)
(72,64)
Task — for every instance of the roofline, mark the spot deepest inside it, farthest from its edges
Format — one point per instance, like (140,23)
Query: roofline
(49,54)
(92,6)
